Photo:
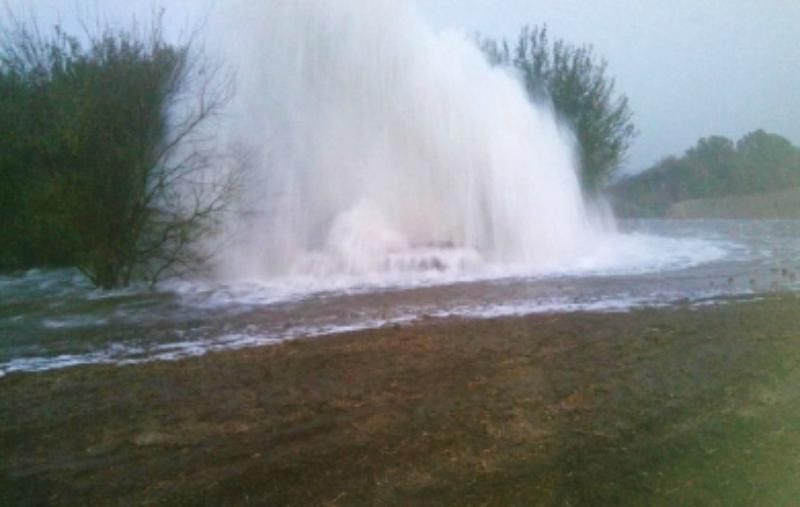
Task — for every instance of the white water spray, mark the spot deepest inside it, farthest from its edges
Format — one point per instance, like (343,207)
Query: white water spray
(387,146)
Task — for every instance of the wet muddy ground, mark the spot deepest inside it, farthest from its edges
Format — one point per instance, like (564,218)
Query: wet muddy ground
(669,406)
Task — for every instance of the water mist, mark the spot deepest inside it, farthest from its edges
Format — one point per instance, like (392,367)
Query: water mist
(387,147)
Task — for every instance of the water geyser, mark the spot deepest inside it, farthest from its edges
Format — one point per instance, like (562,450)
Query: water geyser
(386,146)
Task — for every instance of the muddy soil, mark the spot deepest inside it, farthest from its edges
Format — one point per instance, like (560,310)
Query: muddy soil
(670,406)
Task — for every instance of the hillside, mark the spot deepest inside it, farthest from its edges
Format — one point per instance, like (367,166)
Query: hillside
(780,205)
(720,173)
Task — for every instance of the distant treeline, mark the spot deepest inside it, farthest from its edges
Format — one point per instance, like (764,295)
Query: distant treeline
(715,167)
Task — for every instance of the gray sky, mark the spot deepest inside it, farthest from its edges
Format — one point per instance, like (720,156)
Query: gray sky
(690,68)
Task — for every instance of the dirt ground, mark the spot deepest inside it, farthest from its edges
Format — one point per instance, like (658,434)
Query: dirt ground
(670,406)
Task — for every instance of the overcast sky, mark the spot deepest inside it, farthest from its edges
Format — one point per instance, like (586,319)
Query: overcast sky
(690,68)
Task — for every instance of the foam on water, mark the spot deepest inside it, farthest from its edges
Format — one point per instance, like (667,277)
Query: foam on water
(124,354)
(54,319)
(617,254)
(184,319)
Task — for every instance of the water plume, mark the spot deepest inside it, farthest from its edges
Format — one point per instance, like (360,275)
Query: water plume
(385,147)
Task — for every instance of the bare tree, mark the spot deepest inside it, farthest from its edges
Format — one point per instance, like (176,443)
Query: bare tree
(125,131)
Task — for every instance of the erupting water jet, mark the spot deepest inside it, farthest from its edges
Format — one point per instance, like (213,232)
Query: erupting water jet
(388,146)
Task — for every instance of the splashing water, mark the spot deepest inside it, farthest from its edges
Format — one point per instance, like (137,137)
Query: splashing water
(389,147)
(399,177)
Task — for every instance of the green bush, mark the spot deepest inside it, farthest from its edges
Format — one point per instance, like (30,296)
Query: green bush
(574,80)
(109,158)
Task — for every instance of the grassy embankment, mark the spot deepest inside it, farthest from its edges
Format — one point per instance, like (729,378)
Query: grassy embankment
(783,205)
(654,407)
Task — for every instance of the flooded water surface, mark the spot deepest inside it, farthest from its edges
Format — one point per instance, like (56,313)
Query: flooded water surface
(53,319)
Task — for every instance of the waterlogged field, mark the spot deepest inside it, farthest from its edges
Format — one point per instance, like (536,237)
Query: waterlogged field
(670,406)
(53,319)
